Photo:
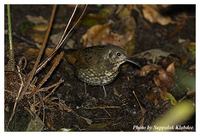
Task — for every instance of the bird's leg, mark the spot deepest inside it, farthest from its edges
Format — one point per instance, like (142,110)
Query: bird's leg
(85,88)
(104,89)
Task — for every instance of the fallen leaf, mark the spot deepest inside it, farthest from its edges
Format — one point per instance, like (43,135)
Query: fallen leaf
(101,34)
(117,39)
(59,26)
(164,79)
(152,55)
(37,37)
(35,51)
(95,34)
(151,13)
(171,68)
(37,19)
(55,38)
(40,27)
(148,68)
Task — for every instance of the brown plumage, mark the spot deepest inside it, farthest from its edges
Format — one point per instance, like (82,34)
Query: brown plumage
(97,65)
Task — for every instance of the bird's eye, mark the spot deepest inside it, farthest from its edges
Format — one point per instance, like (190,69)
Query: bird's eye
(118,54)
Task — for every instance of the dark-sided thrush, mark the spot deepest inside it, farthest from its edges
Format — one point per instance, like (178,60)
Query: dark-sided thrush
(97,65)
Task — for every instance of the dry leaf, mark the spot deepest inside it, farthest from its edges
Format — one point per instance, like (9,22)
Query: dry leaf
(151,13)
(101,34)
(37,37)
(40,27)
(153,55)
(59,26)
(35,51)
(56,37)
(37,19)
(165,78)
(117,39)
(148,68)
(95,34)
(171,68)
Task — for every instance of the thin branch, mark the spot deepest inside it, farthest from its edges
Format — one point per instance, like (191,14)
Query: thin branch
(32,73)
(24,39)
(143,110)
(67,26)
(44,89)
(54,86)
(102,107)
(58,84)
(74,25)
(55,64)
(43,64)
(17,98)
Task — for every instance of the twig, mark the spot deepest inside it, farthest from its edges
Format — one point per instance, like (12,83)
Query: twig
(43,107)
(18,95)
(30,43)
(54,86)
(43,64)
(24,39)
(143,110)
(32,73)
(74,25)
(59,82)
(43,112)
(62,106)
(102,107)
(22,63)
(107,112)
(47,88)
(56,62)
(67,26)
(41,101)
(11,62)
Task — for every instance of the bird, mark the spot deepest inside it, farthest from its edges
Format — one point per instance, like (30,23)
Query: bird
(97,65)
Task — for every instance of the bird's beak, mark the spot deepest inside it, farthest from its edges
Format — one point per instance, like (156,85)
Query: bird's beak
(130,61)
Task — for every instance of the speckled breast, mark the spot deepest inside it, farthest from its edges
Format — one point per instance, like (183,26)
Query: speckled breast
(93,77)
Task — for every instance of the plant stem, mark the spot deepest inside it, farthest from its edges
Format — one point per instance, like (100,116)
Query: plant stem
(11,62)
